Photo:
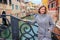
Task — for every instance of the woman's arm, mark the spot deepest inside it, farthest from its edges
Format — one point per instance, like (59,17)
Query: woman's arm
(51,23)
(31,21)
(34,20)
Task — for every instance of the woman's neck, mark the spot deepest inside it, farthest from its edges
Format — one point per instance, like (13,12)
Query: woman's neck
(41,14)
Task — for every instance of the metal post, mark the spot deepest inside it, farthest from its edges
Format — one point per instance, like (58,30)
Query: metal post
(15,31)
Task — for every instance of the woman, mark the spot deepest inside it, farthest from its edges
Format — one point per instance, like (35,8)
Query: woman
(45,24)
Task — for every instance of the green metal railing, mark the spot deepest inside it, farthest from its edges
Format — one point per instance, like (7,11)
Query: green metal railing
(16,29)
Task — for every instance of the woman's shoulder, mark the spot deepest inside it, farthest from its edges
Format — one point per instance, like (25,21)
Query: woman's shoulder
(48,15)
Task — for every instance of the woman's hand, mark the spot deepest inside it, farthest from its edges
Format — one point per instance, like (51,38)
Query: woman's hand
(49,30)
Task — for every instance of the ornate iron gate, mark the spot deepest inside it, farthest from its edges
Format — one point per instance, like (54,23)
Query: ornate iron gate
(15,29)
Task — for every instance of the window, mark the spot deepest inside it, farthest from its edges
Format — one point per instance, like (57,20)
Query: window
(17,0)
(59,9)
(52,5)
(48,6)
(9,1)
(51,0)
(0,1)
(5,1)
(12,6)
(17,7)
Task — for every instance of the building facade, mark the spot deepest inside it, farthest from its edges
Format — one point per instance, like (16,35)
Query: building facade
(5,5)
(53,9)
(59,8)
(45,2)
(15,7)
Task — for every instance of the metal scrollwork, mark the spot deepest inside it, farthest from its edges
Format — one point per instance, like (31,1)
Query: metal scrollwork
(4,29)
(26,29)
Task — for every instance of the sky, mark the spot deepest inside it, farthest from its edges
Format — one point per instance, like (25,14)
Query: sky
(35,1)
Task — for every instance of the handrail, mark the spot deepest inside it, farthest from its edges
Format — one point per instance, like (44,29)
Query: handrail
(27,23)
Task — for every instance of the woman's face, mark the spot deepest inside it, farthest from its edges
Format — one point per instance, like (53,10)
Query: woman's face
(42,10)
